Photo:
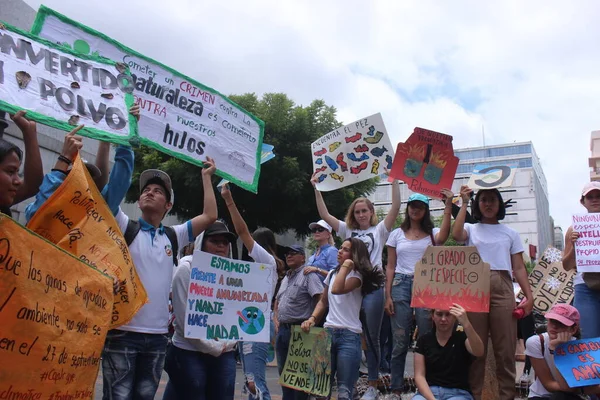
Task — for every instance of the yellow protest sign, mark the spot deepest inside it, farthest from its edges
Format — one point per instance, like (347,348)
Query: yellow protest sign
(77,219)
(54,314)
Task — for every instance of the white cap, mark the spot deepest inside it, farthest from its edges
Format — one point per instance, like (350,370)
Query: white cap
(322,224)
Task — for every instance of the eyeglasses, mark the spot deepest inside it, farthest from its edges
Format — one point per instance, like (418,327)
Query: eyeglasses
(292,254)
(315,230)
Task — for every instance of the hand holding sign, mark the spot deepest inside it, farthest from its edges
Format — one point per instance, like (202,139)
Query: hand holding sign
(73,143)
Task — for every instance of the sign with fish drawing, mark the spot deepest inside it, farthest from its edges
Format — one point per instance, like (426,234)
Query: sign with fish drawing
(352,153)
(426,162)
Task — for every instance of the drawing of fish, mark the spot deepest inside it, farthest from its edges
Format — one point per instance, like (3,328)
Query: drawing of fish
(323,168)
(340,160)
(363,156)
(334,146)
(337,177)
(375,139)
(361,167)
(319,161)
(361,149)
(321,178)
(389,160)
(378,151)
(375,167)
(320,152)
(371,131)
(331,163)
(354,138)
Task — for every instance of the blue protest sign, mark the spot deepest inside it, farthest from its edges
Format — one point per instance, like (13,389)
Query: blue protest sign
(579,362)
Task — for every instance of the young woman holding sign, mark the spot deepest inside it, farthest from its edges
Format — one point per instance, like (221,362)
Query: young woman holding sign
(345,286)
(405,248)
(361,222)
(501,247)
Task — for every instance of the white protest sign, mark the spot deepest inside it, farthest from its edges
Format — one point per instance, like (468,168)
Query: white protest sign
(229,299)
(180,116)
(492,176)
(352,153)
(61,89)
(587,247)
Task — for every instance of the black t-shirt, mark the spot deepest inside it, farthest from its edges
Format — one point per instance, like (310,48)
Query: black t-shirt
(446,366)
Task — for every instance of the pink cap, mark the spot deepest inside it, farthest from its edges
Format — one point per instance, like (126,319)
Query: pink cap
(564,313)
(589,187)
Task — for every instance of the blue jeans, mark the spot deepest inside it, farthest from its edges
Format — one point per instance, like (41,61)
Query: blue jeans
(402,323)
(386,344)
(587,302)
(345,360)
(254,360)
(442,393)
(199,376)
(373,305)
(132,364)
(282,344)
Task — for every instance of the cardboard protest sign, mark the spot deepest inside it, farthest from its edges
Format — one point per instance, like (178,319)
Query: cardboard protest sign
(62,89)
(180,116)
(77,219)
(353,153)
(550,283)
(492,176)
(450,274)
(426,162)
(308,363)
(578,362)
(229,299)
(54,314)
(587,247)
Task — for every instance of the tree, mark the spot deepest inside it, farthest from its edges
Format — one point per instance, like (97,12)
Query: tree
(285,198)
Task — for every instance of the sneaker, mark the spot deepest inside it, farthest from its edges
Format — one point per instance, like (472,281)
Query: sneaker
(370,394)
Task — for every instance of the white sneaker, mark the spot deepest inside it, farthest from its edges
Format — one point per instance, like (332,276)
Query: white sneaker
(370,394)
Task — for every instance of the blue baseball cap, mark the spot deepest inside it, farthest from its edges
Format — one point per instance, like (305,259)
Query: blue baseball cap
(295,249)
(418,197)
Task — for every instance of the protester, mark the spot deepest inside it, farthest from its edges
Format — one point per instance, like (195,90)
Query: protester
(345,287)
(443,356)
(587,299)
(298,295)
(261,247)
(199,369)
(501,247)
(13,189)
(362,222)
(134,354)
(405,248)
(324,259)
(563,320)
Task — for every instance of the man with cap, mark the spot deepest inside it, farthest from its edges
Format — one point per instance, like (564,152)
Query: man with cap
(298,295)
(324,258)
(134,354)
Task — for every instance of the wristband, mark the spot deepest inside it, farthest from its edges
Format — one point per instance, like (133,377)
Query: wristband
(64,159)
(58,170)
(313,317)
(551,351)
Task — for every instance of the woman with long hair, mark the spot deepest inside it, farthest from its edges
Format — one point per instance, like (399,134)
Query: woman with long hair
(405,248)
(362,222)
(345,287)
(501,247)
(324,259)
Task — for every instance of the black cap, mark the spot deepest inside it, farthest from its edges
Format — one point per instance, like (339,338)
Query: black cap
(219,228)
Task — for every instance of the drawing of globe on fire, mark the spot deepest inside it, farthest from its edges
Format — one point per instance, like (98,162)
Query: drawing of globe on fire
(251,320)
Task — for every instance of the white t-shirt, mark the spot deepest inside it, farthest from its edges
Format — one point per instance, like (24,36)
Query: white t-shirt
(495,244)
(533,348)
(260,255)
(374,238)
(408,252)
(344,309)
(153,259)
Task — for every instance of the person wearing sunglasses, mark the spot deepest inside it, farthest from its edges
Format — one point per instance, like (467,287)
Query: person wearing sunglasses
(324,259)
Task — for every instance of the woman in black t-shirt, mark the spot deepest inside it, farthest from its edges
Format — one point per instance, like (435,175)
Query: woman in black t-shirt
(443,356)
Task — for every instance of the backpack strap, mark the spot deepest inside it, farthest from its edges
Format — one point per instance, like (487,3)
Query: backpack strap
(542,343)
(170,232)
(133,228)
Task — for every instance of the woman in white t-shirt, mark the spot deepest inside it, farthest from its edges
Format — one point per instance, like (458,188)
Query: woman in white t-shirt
(405,247)
(501,247)
(345,287)
(362,223)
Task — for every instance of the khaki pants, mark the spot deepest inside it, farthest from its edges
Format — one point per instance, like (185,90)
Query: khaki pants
(500,325)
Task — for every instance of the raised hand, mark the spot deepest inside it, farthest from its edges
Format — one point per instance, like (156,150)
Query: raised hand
(209,167)
(459,313)
(73,143)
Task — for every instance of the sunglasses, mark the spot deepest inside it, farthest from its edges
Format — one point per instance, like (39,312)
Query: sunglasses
(315,230)
(292,254)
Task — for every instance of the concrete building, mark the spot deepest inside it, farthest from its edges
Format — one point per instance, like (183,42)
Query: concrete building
(594,160)
(530,213)
(559,238)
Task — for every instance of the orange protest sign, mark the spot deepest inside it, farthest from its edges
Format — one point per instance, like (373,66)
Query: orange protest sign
(54,314)
(452,274)
(77,219)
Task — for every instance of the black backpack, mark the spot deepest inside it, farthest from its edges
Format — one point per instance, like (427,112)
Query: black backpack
(133,228)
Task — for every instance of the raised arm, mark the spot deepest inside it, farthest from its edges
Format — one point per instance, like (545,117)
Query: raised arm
(390,218)
(343,285)
(444,232)
(322,208)
(103,164)
(209,213)
(458,230)
(568,260)
(238,222)
(33,172)
(473,342)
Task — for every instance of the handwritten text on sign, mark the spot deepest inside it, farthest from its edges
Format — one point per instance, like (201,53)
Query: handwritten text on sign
(77,219)
(587,247)
(450,274)
(180,116)
(228,299)
(56,86)
(54,315)
(579,362)
(308,363)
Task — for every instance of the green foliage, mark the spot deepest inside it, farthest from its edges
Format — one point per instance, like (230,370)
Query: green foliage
(285,198)
(529,266)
